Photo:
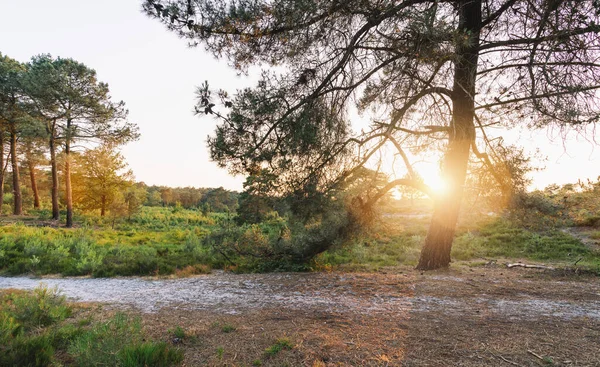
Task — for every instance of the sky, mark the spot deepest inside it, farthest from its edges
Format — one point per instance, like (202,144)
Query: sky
(155,73)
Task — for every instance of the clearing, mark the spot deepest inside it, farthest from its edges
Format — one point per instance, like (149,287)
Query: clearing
(464,316)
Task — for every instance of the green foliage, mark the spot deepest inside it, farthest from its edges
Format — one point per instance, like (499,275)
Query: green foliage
(35,330)
(101,182)
(43,308)
(155,241)
(227,328)
(178,332)
(279,345)
(97,346)
(501,238)
(27,333)
(150,354)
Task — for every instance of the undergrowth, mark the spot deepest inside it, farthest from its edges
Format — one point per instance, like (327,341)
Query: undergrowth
(37,329)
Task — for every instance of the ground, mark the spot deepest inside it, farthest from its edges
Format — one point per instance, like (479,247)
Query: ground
(464,316)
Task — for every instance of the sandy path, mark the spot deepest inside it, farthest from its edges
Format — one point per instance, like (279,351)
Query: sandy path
(509,298)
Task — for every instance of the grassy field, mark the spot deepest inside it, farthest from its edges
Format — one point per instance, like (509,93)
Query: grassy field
(164,241)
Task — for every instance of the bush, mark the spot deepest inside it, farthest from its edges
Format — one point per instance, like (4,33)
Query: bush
(44,307)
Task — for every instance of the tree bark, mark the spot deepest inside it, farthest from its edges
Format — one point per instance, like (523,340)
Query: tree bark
(55,209)
(1,169)
(438,243)
(17,198)
(34,188)
(68,190)
(103,206)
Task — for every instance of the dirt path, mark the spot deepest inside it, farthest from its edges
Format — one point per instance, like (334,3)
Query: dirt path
(353,293)
(460,317)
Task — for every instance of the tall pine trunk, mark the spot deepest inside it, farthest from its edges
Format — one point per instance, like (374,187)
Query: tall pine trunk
(17,198)
(68,190)
(1,169)
(53,168)
(34,188)
(438,243)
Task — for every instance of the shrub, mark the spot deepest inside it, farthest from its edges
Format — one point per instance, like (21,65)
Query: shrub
(46,306)
(150,354)
(278,346)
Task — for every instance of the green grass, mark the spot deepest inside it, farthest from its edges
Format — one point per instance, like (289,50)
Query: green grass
(178,332)
(488,238)
(120,342)
(279,345)
(36,329)
(500,238)
(227,328)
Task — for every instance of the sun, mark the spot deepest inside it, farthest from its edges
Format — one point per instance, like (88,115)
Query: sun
(439,186)
(432,177)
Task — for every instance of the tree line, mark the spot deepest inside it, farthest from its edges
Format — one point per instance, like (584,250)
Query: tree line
(58,119)
(50,107)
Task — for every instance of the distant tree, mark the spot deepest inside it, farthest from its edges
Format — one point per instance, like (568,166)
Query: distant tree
(166,195)
(134,198)
(154,198)
(79,108)
(435,74)
(12,114)
(221,200)
(102,178)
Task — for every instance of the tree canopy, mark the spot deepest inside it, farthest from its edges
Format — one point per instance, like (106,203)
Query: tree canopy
(432,73)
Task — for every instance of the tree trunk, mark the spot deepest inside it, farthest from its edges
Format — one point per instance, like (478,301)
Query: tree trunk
(34,188)
(17,198)
(438,243)
(1,169)
(68,190)
(103,206)
(55,209)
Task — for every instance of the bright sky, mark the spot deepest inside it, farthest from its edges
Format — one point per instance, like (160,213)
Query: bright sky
(155,73)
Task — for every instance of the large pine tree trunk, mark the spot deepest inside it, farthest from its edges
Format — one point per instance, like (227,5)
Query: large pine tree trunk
(1,169)
(53,168)
(68,190)
(34,188)
(17,198)
(438,243)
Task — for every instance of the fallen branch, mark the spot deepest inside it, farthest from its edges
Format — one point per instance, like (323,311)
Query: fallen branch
(529,266)
(504,359)
(535,354)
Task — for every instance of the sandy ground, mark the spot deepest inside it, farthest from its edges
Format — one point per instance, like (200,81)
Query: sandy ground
(485,316)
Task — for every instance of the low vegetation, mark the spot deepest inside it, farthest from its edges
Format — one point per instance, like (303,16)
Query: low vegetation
(40,328)
(279,345)
(186,242)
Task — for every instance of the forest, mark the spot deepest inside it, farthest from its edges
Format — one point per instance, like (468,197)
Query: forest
(338,231)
